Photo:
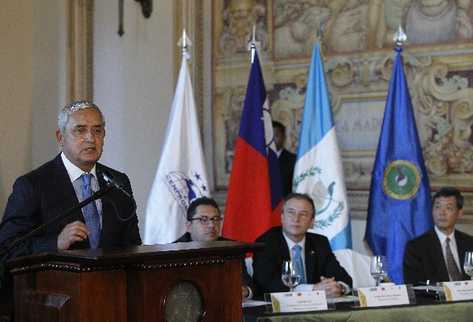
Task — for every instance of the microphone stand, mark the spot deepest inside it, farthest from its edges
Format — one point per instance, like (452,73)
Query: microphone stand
(53,220)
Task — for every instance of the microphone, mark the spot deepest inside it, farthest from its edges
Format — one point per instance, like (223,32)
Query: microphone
(110,182)
(108,178)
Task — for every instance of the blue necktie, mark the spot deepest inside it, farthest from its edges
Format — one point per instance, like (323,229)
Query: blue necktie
(91,215)
(297,262)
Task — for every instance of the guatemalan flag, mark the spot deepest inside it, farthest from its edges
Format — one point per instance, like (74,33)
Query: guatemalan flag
(255,191)
(181,176)
(318,171)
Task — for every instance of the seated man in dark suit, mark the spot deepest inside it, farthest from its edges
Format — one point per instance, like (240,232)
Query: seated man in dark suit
(287,159)
(61,183)
(204,224)
(292,242)
(438,255)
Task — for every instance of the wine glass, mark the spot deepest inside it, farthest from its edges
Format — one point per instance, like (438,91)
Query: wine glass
(289,276)
(468,264)
(377,269)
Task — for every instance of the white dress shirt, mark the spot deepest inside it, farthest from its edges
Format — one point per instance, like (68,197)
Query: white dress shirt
(75,174)
(291,244)
(453,246)
(308,287)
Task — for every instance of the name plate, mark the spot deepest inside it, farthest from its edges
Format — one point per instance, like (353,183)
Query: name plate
(383,295)
(299,301)
(458,291)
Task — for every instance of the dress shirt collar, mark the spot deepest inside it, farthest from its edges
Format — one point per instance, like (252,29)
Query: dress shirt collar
(278,152)
(74,171)
(442,236)
(291,243)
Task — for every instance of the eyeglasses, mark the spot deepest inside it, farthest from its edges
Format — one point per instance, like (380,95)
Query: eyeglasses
(206,220)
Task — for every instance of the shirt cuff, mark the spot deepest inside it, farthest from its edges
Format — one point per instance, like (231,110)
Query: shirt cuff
(250,293)
(346,287)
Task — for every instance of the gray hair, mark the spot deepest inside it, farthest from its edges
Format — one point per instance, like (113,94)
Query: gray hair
(66,112)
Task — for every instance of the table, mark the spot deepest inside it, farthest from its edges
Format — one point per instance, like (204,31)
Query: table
(428,311)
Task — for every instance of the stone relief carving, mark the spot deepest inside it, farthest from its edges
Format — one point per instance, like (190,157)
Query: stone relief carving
(238,18)
(295,26)
(444,102)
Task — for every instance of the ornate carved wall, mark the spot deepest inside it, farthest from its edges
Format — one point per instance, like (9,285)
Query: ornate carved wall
(357,48)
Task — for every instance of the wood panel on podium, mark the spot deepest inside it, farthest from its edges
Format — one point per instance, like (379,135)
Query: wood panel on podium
(176,282)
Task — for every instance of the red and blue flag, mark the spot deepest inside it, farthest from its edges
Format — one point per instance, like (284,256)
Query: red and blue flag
(255,191)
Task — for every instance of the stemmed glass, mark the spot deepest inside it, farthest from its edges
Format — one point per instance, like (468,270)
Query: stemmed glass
(468,264)
(378,268)
(289,276)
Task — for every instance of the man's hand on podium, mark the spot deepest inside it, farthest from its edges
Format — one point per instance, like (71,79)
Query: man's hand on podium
(74,232)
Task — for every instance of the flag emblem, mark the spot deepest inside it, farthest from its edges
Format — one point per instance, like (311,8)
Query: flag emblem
(401,180)
(185,188)
(327,207)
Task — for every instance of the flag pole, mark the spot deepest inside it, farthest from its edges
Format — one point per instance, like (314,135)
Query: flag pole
(319,37)
(252,45)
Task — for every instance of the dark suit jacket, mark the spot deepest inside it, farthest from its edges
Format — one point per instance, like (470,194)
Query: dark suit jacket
(287,161)
(246,278)
(319,261)
(423,258)
(46,192)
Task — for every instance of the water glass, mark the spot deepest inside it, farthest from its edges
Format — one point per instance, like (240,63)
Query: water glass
(289,276)
(378,268)
(468,264)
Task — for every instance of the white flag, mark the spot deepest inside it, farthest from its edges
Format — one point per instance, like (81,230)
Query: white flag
(181,176)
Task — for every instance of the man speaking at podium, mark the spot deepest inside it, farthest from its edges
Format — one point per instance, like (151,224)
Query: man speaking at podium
(60,184)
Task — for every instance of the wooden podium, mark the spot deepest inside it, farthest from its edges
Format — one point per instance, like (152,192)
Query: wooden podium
(176,282)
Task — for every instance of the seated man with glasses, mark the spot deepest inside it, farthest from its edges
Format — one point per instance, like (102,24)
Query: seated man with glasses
(204,223)
(310,253)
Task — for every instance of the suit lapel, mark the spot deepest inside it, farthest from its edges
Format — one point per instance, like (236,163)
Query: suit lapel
(310,261)
(461,248)
(436,253)
(284,253)
(106,206)
(62,184)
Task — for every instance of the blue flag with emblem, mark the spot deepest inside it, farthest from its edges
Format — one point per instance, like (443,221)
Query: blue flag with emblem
(399,203)
(318,171)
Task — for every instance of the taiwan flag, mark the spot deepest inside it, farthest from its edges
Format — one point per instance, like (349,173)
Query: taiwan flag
(255,192)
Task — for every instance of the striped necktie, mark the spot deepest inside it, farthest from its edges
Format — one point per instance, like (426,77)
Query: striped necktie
(452,268)
(91,215)
(297,261)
